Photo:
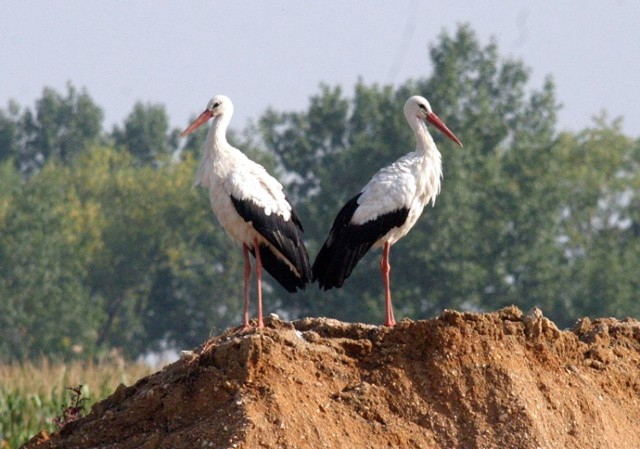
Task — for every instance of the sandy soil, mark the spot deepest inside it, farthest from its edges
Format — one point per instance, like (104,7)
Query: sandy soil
(463,380)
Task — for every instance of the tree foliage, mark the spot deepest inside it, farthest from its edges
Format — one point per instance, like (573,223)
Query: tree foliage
(110,254)
(146,134)
(45,307)
(60,128)
(9,132)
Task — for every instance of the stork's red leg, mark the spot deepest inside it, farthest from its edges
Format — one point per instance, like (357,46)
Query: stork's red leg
(259,281)
(247,279)
(385,268)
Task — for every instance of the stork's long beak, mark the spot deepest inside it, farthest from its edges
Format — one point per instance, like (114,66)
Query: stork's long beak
(435,121)
(201,120)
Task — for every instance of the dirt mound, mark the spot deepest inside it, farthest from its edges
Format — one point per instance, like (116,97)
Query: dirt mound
(463,380)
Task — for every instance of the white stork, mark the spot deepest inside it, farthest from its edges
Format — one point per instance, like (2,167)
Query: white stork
(387,207)
(251,207)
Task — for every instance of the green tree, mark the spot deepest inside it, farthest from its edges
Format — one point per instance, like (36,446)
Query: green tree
(60,128)
(165,274)
(105,253)
(146,134)
(598,225)
(10,132)
(45,308)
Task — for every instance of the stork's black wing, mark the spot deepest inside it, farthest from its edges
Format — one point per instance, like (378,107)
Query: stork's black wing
(285,236)
(348,243)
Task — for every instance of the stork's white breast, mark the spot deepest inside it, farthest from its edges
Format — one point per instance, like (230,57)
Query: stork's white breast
(392,188)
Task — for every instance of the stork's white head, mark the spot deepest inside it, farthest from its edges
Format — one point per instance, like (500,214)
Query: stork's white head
(417,109)
(218,106)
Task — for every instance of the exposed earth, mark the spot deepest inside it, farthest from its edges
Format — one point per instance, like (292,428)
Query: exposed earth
(463,380)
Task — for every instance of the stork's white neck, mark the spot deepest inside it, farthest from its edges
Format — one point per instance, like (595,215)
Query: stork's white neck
(217,135)
(216,148)
(431,161)
(424,142)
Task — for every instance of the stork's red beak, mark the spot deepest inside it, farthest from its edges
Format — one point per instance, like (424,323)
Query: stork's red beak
(435,121)
(201,120)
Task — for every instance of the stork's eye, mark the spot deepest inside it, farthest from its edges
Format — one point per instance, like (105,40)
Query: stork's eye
(216,104)
(422,106)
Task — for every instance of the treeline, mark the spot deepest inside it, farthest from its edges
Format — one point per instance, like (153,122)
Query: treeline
(103,244)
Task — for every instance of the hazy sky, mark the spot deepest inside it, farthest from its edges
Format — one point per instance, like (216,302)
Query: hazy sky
(276,53)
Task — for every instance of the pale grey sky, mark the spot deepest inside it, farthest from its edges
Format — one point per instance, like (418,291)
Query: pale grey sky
(275,53)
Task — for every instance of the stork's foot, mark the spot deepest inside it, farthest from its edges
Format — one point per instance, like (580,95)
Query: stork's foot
(242,329)
(248,327)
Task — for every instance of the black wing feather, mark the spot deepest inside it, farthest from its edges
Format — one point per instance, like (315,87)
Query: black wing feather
(286,238)
(348,243)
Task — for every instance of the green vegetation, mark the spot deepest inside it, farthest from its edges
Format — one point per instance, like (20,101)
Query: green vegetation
(104,245)
(33,394)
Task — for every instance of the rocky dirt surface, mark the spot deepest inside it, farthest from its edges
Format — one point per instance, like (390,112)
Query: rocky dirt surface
(463,380)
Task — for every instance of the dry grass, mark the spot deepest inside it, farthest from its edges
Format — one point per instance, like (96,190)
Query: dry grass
(32,394)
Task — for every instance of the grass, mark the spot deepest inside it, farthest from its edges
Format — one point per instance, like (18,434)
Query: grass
(33,394)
